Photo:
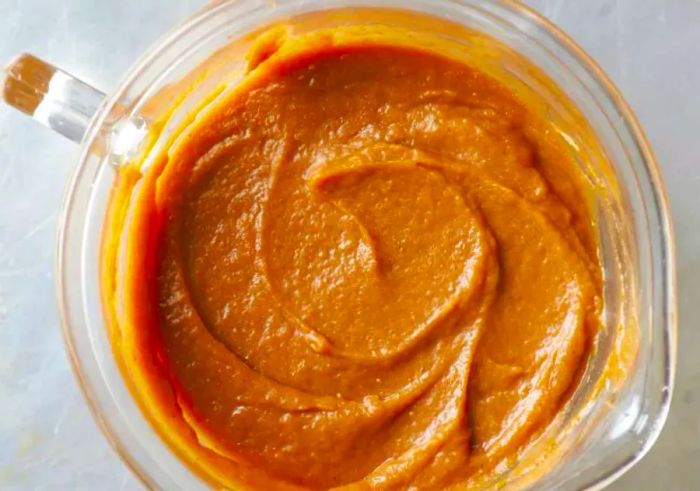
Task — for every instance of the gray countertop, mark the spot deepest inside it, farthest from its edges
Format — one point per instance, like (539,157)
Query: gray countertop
(650,48)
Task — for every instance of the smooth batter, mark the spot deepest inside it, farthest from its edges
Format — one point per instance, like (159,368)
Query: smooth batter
(368,266)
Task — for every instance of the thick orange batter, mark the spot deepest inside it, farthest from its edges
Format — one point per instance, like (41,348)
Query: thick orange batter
(368,266)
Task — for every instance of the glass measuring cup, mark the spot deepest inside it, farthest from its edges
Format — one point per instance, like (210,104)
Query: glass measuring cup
(112,130)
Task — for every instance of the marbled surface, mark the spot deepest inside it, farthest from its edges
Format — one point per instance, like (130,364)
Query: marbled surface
(48,440)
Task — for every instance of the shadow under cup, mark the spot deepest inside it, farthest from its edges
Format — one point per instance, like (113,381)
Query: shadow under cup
(612,418)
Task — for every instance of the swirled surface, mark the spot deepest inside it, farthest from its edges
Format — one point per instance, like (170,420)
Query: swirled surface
(375,269)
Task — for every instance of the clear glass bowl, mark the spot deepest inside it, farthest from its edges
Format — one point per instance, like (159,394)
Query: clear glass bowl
(597,437)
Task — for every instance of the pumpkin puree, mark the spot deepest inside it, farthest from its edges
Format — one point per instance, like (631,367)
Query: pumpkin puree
(368,266)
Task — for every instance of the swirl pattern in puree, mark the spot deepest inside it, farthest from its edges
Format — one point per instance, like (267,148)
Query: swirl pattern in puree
(373,267)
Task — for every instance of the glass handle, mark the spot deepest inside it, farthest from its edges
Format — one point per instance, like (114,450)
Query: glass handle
(50,95)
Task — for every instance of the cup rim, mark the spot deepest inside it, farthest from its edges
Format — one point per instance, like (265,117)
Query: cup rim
(660,205)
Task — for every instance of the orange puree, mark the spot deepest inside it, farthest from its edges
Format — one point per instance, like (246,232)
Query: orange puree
(367,266)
